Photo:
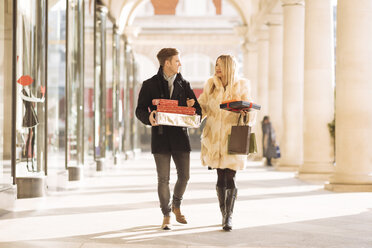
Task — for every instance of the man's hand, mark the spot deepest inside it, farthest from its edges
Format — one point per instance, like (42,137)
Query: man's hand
(190,102)
(152,118)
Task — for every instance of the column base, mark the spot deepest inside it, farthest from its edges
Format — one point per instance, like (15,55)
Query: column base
(340,187)
(30,187)
(340,182)
(74,173)
(315,171)
(308,176)
(99,164)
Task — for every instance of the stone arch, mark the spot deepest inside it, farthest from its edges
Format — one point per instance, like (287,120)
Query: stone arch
(128,12)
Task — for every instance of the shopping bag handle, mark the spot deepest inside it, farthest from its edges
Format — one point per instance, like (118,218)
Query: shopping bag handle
(244,120)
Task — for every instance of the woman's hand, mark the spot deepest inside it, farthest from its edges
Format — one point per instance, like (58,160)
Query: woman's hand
(244,112)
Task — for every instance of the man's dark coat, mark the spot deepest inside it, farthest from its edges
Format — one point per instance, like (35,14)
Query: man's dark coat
(165,139)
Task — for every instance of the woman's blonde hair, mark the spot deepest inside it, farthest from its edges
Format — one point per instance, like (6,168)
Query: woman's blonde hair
(229,68)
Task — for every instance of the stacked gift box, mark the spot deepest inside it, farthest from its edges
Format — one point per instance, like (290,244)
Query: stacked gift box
(176,109)
(237,106)
(164,102)
(170,114)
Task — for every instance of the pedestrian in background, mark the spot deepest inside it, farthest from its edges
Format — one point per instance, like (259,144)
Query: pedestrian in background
(268,140)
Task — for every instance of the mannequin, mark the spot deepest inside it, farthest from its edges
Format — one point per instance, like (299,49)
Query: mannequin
(30,121)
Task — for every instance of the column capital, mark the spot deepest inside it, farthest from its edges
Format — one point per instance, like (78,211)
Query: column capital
(241,31)
(274,20)
(293,2)
(250,47)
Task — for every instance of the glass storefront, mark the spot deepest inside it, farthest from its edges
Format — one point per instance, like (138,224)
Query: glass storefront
(128,102)
(122,104)
(116,95)
(56,89)
(136,89)
(109,88)
(31,87)
(2,80)
(85,113)
(100,85)
(5,92)
(88,83)
(75,84)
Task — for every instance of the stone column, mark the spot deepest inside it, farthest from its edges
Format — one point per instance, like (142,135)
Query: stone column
(263,71)
(250,66)
(262,82)
(6,67)
(318,90)
(293,73)
(353,171)
(275,108)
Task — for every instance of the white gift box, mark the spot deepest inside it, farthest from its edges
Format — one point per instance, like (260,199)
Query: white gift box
(179,120)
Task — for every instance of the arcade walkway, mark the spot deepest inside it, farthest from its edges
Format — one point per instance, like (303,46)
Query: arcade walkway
(119,208)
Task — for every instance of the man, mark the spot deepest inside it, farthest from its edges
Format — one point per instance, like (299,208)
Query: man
(168,141)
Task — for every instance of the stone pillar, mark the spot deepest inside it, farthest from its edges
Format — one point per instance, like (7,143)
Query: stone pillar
(6,67)
(262,82)
(100,87)
(263,70)
(353,171)
(275,108)
(250,67)
(293,73)
(318,90)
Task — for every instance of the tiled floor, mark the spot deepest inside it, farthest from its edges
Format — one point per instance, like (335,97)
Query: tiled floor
(119,208)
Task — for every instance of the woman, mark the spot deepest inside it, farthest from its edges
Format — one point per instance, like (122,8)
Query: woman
(223,86)
(268,140)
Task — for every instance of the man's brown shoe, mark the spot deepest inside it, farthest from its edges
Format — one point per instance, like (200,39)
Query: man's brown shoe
(179,217)
(166,223)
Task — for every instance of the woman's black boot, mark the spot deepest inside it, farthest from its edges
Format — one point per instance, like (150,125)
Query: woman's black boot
(221,193)
(230,200)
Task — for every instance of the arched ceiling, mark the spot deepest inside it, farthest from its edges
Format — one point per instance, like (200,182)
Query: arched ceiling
(124,10)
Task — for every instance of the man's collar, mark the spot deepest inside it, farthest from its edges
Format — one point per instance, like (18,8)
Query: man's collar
(170,77)
(162,74)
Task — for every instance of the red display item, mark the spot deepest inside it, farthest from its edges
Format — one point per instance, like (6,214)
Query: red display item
(25,80)
(167,102)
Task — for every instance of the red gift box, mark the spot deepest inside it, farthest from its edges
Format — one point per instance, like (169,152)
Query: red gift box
(167,102)
(176,109)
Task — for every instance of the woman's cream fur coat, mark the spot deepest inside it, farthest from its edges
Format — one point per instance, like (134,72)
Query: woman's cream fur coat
(218,126)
